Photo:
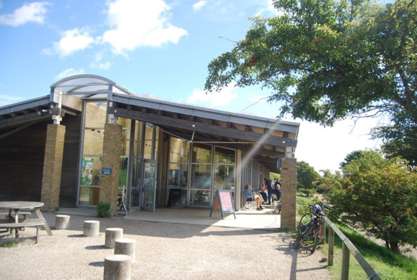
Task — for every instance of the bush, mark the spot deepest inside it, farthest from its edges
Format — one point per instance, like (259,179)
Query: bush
(103,210)
(380,197)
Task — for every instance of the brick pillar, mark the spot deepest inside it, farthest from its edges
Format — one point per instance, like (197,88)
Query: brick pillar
(52,166)
(112,151)
(288,190)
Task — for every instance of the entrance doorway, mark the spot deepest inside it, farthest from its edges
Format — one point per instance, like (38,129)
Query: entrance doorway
(196,171)
(143,166)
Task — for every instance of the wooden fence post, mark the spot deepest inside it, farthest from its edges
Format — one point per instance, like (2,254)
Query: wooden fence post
(330,239)
(345,262)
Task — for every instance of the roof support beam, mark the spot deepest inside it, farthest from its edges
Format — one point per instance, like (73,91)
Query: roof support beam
(23,119)
(203,128)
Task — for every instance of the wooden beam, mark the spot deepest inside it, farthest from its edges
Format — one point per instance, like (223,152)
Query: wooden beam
(204,128)
(18,120)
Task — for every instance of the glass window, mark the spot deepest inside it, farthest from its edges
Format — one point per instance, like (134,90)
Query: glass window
(178,150)
(91,161)
(201,176)
(224,172)
(224,177)
(178,163)
(150,133)
(224,156)
(200,198)
(201,154)
(177,175)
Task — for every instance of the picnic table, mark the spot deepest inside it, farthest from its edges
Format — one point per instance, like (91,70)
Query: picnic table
(25,208)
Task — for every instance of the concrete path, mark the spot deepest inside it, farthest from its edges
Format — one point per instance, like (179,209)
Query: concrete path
(164,251)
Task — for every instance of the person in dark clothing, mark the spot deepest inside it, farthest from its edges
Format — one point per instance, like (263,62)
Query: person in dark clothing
(269,187)
(277,189)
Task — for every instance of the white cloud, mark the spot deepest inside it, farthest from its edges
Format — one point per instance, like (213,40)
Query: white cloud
(267,8)
(7,99)
(213,99)
(100,63)
(71,41)
(136,24)
(69,72)
(32,12)
(199,4)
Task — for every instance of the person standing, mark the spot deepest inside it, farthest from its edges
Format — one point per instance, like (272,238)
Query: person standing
(269,187)
(263,190)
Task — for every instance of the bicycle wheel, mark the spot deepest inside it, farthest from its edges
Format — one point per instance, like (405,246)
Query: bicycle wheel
(303,224)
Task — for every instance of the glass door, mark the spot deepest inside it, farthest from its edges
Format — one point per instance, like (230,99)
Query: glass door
(201,176)
(149,185)
(149,168)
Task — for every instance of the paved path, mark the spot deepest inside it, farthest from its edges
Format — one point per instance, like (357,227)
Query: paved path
(164,251)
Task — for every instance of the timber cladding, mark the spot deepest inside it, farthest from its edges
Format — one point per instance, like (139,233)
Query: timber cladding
(21,163)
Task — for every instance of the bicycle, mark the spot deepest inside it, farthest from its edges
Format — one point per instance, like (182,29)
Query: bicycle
(309,229)
(121,202)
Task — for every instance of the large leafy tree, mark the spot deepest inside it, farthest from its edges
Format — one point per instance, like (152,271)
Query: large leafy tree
(324,60)
(306,175)
(379,196)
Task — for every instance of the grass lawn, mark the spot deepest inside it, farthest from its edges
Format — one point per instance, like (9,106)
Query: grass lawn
(387,264)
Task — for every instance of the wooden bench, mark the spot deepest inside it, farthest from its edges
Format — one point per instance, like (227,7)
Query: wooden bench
(36,223)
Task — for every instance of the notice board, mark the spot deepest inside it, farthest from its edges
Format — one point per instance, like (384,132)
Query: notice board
(223,203)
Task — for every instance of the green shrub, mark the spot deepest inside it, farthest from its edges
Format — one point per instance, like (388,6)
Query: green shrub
(103,210)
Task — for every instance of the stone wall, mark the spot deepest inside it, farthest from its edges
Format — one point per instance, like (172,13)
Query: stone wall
(288,190)
(112,151)
(52,166)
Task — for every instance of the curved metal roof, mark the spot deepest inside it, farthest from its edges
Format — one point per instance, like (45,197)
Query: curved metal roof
(87,85)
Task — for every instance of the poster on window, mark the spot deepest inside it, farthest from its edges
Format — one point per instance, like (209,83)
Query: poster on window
(90,171)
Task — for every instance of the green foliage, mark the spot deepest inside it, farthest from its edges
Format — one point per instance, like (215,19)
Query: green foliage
(388,265)
(103,209)
(325,60)
(400,139)
(327,181)
(379,196)
(306,175)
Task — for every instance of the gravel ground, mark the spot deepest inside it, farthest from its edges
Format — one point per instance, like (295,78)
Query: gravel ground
(164,251)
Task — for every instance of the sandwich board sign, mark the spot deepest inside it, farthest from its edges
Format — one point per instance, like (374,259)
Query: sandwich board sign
(222,202)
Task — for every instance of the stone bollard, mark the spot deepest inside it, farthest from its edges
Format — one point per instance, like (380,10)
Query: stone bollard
(61,221)
(117,267)
(91,228)
(112,234)
(125,246)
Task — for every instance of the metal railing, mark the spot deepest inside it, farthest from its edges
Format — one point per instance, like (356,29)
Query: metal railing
(347,249)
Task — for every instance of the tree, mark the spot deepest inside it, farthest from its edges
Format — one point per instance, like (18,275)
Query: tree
(380,197)
(400,139)
(357,155)
(327,181)
(329,59)
(306,175)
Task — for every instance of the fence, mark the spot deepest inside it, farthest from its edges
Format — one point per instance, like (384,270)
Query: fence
(347,249)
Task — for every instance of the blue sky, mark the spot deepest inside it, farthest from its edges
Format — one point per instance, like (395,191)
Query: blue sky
(158,48)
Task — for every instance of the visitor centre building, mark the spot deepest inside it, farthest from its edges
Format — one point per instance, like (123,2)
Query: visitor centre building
(90,139)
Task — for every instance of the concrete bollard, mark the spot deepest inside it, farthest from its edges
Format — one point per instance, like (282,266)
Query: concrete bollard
(61,221)
(91,228)
(126,246)
(112,234)
(117,267)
